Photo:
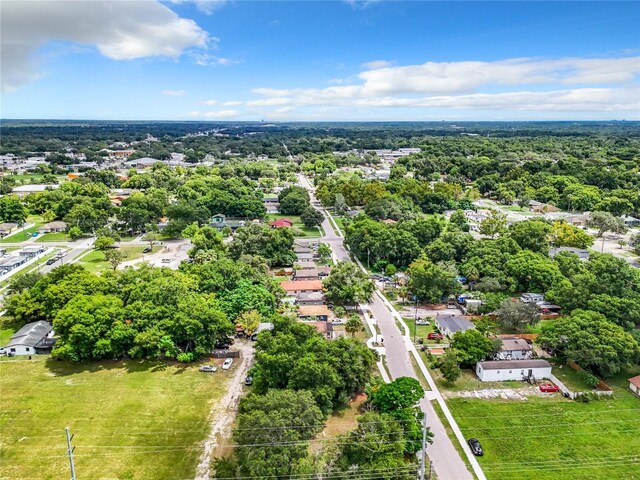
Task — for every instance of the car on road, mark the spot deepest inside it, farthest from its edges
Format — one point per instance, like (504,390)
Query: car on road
(338,321)
(208,368)
(422,321)
(227,364)
(166,260)
(248,380)
(147,250)
(51,261)
(435,336)
(475,446)
(549,388)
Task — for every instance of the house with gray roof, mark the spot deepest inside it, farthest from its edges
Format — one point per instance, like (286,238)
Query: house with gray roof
(450,324)
(34,337)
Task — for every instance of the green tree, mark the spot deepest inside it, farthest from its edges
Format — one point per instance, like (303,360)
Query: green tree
(115,257)
(495,224)
(249,321)
(347,284)
(102,243)
(311,217)
(429,282)
(354,325)
(605,222)
(564,235)
(472,347)
(516,315)
(12,210)
(449,367)
(592,341)
(531,235)
(324,253)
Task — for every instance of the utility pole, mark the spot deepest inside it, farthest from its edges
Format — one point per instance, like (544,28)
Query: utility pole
(70,453)
(424,446)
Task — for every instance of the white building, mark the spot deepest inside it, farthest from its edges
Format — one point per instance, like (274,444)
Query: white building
(502,370)
(34,337)
(24,190)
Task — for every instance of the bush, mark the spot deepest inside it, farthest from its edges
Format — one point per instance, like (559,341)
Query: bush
(185,357)
(75,233)
(588,378)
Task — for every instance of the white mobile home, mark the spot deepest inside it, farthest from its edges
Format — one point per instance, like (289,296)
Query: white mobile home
(502,370)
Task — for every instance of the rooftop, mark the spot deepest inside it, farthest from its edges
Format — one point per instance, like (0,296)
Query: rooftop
(313,310)
(635,381)
(509,344)
(513,364)
(31,334)
(309,285)
(455,324)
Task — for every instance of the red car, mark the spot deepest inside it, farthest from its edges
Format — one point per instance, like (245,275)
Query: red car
(435,336)
(549,388)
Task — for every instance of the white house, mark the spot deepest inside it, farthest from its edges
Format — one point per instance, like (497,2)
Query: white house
(514,349)
(532,297)
(34,337)
(502,370)
(450,324)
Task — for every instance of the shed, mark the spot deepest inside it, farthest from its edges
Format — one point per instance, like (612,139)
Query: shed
(34,337)
(634,385)
(319,312)
(502,370)
(450,324)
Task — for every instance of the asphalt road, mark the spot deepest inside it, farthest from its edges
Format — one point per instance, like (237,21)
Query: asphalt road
(447,463)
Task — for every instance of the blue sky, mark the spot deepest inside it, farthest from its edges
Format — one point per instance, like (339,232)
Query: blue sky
(238,60)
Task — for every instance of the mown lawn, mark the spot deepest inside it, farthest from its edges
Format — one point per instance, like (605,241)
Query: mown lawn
(131,420)
(54,237)
(96,263)
(555,438)
(298,226)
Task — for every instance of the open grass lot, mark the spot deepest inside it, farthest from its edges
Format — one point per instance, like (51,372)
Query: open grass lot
(556,438)
(131,420)
(54,237)
(313,232)
(95,262)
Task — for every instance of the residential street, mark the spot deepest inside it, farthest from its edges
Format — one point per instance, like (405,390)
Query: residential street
(447,463)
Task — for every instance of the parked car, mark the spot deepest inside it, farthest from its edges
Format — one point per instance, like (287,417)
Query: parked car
(227,364)
(549,388)
(147,250)
(338,321)
(435,336)
(224,344)
(208,368)
(422,321)
(475,446)
(248,380)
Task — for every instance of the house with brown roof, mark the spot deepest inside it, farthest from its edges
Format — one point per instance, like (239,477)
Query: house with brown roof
(514,348)
(634,385)
(310,298)
(293,288)
(306,274)
(314,312)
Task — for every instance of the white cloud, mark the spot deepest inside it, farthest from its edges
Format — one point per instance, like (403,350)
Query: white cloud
(211,102)
(232,103)
(206,59)
(360,4)
(119,30)
(174,93)
(222,114)
(374,65)
(205,6)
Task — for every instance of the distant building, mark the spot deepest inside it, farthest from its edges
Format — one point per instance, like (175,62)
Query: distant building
(24,190)
(631,222)
(580,252)
(503,370)
(51,227)
(143,162)
(302,286)
(31,252)
(634,385)
(6,228)
(314,312)
(10,263)
(539,207)
(310,298)
(220,221)
(306,274)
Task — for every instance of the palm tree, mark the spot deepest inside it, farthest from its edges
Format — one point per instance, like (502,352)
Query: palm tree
(354,325)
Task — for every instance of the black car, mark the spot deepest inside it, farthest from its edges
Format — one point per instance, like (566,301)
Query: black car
(51,261)
(476,448)
(248,380)
(147,250)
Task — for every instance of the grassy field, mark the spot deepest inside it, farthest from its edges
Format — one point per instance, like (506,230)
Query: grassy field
(54,237)
(297,225)
(131,420)
(96,263)
(555,438)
